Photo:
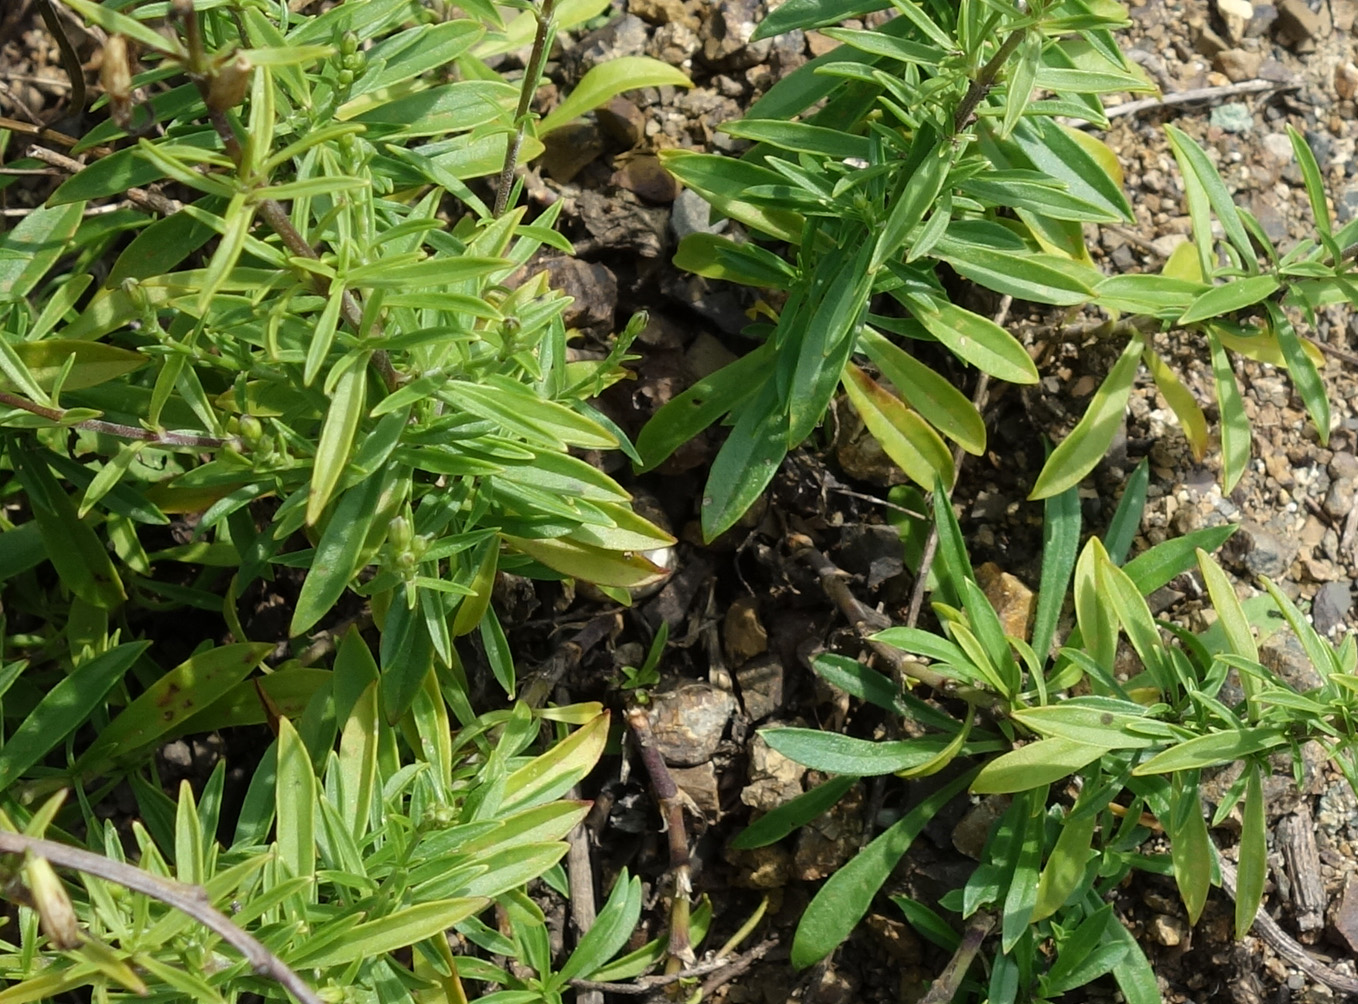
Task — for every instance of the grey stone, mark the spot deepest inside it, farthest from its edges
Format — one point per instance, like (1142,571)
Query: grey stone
(689,722)
(691,214)
(1263,552)
(1233,117)
(762,681)
(1332,604)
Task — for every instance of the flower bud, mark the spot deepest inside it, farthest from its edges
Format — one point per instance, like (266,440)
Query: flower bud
(399,534)
(55,912)
(229,84)
(251,430)
(116,77)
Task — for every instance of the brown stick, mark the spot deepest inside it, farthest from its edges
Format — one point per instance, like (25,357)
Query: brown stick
(532,73)
(867,622)
(190,439)
(672,813)
(1194,95)
(188,899)
(945,987)
(1284,944)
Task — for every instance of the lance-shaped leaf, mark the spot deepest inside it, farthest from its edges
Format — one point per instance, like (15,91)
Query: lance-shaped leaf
(907,439)
(1080,452)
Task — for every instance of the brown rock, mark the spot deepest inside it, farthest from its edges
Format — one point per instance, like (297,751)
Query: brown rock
(623,121)
(969,835)
(1012,600)
(1345,917)
(818,44)
(1346,81)
(1298,25)
(773,777)
(689,723)
(1238,64)
(700,785)
(662,12)
(644,176)
(593,290)
(896,938)
(762,682)
(570,148)
(1236,15)
(829,840)
(1168,930)
(743,634)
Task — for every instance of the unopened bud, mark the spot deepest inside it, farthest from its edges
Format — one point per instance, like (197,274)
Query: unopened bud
(399,534)
(55,912)
(116,77)
(229,84)
(251,430)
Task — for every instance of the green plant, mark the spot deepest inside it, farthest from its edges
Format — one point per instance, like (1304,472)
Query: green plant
(920,144)
(354,840)
(1084,751)
(319,350)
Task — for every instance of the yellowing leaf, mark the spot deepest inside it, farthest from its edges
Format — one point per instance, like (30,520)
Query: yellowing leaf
(94,362)
(907,439)
(1181,401)
(1080,452)
(608,80)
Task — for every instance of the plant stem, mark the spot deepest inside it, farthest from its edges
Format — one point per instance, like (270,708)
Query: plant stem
(271,210)
(672,812)
(985,80)
(189,439)
(188,899)
(532,75)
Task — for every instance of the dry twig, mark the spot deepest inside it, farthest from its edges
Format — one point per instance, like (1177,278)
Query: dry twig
(1199,95)
(188,899)
(1285,945)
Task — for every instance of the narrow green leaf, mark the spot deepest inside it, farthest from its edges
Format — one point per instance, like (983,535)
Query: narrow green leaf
(1126,519)
(1231,616)
(195,683)
(975,339)
(607,80)
(1021,897)
(846,896)
(1237,294)
(1252,864)
(1181,401)
(1190,847)
(295,804)
(1235,426)
(1197,167)
(1310,174)
(338,554)
(1212,749)
(776,824)
(919,194)
(613,926)
(1303,371)
(1060,548)
(840,754)
(1080,452)
(33,246)
(940,403)
(391,933)
(92,363)
(74,549)
(553,773)
(905,437)
(337,433)
(746,463)
(64,708)
(1037,763)
(1066,864)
